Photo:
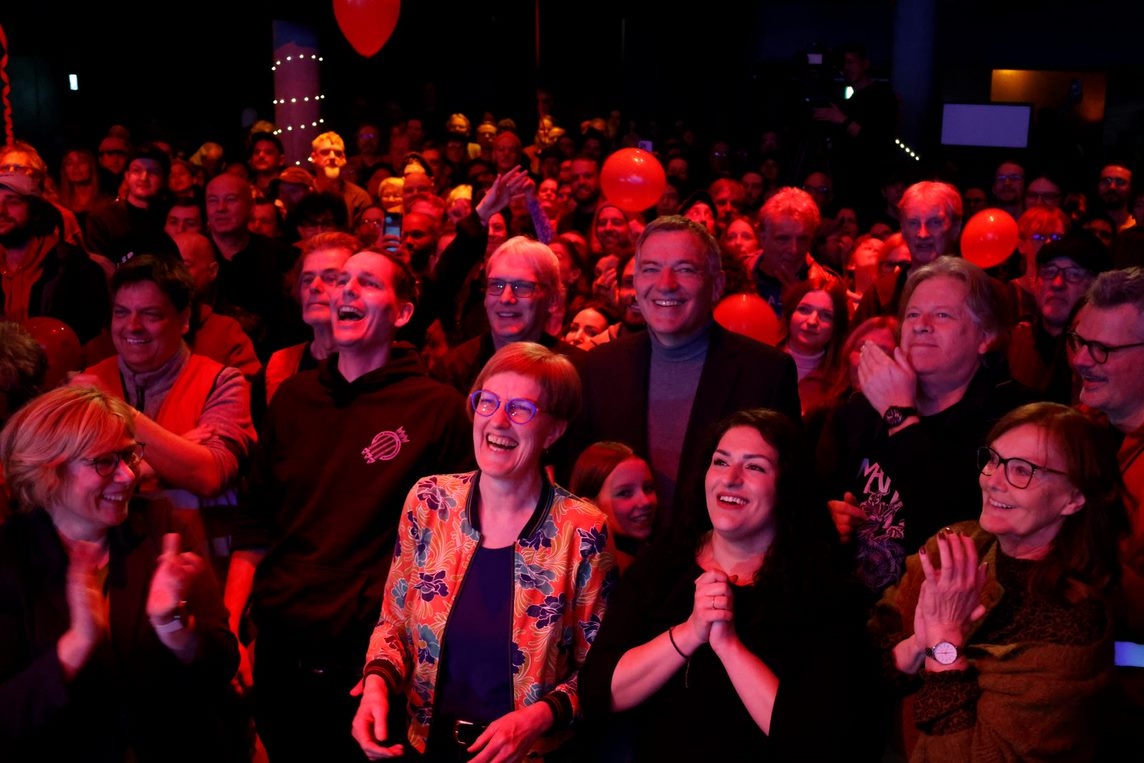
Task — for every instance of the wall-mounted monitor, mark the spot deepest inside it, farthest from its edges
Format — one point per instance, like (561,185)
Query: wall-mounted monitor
(993,125)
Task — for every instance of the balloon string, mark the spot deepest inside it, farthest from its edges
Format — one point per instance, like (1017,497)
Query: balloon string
(6,89)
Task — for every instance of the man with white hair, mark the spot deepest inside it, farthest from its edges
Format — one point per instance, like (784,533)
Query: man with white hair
(930,212)
(523,291)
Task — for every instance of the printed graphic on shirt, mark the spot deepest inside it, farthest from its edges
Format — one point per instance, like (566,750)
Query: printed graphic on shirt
(385,446)
(881,552)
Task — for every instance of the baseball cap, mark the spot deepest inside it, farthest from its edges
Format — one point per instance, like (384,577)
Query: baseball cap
(18,182)
(1080,246)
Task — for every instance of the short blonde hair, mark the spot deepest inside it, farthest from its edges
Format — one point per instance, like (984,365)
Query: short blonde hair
(331,138)
(54,429)
(558,379)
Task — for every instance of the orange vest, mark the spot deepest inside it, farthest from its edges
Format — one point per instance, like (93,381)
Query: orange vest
(282,365)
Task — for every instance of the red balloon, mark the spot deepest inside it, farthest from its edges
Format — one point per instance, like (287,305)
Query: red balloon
(751,315)
(61,345)
(989,238)
(632,179)
(367,24)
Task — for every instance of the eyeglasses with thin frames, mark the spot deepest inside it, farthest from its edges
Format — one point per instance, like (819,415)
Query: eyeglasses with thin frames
(1072,275)
(519,410)
(106,464)
(1019,472)
(520,289)
(1099,351)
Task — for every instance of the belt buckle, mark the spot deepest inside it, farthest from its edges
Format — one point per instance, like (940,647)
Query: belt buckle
(465,733)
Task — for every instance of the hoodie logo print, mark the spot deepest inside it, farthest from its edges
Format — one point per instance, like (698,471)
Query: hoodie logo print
(385,446)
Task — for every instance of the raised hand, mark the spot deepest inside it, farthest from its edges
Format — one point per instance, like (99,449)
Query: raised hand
(886,380)
(173,580)
(87,607)
(950,599)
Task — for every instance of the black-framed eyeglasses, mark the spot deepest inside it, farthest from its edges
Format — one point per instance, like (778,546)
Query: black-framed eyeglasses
(1045,238)
(519,410)
(1119,182)
(1010,178)
(106,464)
(520,289)
(1019,472)
(1098,351)
(1073,275)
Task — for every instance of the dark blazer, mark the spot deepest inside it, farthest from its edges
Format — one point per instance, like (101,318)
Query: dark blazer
(132,693)
(738,373)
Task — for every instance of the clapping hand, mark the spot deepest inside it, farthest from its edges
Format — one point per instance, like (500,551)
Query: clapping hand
(173,580)
(950,598)
(886,380)
(86,607)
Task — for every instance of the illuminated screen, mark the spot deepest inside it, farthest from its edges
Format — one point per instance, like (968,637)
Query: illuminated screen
(999,125)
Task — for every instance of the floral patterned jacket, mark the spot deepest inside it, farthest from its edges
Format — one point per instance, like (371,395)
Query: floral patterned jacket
(563,572)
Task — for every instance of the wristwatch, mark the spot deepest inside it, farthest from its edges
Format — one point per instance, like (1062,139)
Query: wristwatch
(943,652)
(896,414)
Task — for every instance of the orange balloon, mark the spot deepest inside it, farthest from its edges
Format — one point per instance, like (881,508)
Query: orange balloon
(61,345)
(367,24)
(750,315)
(989,238)
(632,179)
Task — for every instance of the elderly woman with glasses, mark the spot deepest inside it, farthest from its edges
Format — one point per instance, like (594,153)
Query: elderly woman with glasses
(115,639)
(497,584)
(1001,628)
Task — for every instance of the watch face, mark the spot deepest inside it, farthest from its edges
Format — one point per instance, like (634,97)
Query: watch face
(944,652)
(893,416)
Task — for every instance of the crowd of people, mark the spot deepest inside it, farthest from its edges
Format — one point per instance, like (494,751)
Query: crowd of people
(430,450)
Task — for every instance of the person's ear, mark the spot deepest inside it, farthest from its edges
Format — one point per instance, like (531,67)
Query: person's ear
(404,314)
(1074,503)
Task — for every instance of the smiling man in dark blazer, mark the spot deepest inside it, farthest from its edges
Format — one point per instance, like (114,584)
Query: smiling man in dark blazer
(661,390)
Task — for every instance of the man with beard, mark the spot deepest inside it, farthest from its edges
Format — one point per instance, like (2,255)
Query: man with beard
(266,162)
(328,155)
(1115,192)
(1009,188)
(584,176)
(43,275)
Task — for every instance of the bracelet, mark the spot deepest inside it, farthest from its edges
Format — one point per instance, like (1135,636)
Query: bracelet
(671,638)
(686,658)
